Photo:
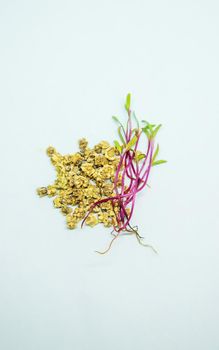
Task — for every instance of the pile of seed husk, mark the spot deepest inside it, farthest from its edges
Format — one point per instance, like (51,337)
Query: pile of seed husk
(82,179)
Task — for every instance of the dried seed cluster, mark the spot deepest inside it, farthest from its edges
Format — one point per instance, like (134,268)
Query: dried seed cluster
(82,179)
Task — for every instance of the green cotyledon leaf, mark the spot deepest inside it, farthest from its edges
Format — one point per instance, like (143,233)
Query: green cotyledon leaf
(118,146)
(150,126)
(147,132)
(120,135)
(155,131)
(128,102)
(131,143)
(140,157)
(155,153)
(148,129)
(116,119)
(159,162)
(121,128)
(136,119)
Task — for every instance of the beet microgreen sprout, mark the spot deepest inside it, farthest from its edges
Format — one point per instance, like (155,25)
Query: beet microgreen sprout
(133,169)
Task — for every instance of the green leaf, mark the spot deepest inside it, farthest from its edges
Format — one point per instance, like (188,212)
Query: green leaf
(128,102)
(118,147)
(155,131)
(159,162)
(116,119)
(120,128)
(120,135)
(131,143)
(155,153)
(140,157)
(150,126)
(136,120)
(146,131)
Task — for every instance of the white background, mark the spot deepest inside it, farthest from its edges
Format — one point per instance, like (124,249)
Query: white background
(65,69)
